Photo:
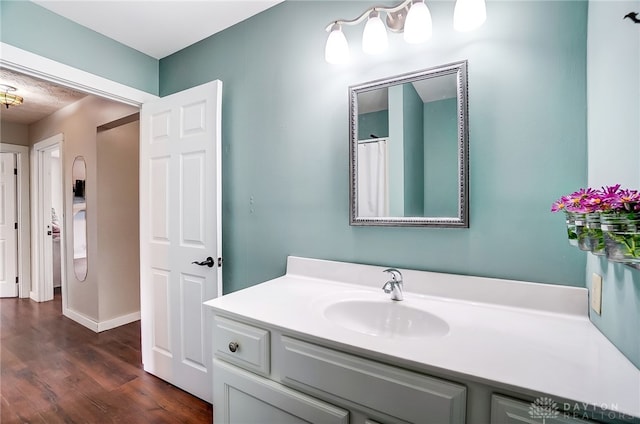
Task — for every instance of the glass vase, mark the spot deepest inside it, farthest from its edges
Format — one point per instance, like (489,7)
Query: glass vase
(572,235)
(621,236)
(590,237)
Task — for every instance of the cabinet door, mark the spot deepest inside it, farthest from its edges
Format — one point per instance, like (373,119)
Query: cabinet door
(510,411)
(401,395)
(242,397)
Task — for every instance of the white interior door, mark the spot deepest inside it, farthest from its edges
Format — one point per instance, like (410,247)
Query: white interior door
(180,211)
(8,230)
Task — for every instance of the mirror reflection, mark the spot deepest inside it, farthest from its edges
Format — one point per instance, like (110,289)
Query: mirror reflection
(78,176)
(409,149)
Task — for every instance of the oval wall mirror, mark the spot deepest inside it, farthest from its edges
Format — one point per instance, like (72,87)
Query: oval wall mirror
(78,177)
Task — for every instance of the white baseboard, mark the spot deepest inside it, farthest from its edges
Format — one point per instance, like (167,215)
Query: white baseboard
(118,321)
(81,319)
(100,326)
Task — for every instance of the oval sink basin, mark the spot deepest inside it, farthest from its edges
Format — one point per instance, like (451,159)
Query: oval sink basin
(385,319)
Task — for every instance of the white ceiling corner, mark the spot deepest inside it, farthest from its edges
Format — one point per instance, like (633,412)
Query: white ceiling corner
(157,28)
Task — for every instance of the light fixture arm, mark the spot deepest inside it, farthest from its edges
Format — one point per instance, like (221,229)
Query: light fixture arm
(366,14)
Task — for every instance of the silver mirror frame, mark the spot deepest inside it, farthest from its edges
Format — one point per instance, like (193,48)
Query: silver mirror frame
(460,221)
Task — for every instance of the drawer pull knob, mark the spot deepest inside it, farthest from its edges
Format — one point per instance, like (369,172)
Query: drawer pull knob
(233,346)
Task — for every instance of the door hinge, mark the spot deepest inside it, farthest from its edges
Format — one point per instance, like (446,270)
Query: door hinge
(15,171)
(219,262)
(16,226)
(17,279)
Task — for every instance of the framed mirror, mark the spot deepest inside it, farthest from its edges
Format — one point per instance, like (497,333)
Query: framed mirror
(409,147)
(78,178)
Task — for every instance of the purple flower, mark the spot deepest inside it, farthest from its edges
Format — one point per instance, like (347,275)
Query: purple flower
(627,200)
(559,205)
(608,198)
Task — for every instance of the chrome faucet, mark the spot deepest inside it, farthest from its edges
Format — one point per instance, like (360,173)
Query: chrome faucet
(394,286)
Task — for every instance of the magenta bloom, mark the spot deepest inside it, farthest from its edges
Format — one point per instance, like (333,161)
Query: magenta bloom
(608,198)
(578,201)
(559,205)
(628,200)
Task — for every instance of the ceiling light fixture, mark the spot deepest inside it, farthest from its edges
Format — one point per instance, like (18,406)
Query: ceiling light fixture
(374,36)
(7,97)
(411,17)
(469,14)
(337,48)
(418,26)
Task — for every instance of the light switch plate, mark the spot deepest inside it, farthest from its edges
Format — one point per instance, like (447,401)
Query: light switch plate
(596,293)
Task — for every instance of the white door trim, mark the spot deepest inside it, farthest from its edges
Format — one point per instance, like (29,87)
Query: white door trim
(24,240)
(68,76)
(39,66)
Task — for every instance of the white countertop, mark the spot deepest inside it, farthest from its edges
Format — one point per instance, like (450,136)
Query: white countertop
(512,333)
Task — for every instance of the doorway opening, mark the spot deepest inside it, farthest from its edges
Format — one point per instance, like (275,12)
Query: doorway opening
(48,258)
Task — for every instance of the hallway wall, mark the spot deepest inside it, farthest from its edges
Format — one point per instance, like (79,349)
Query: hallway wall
(78,123)
(13,133)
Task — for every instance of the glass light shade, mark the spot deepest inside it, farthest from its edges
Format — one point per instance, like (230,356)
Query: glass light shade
(374,37)
(469,14)
(9,99)
(418,26)
(337,49)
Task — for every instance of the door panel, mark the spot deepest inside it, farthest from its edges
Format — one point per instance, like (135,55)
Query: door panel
(192,206)
(8,232)
(179,224)
(158,199)
(192,293)
(161,310)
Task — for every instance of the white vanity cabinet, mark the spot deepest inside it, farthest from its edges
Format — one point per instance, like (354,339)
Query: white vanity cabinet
(293,380)
(282,354)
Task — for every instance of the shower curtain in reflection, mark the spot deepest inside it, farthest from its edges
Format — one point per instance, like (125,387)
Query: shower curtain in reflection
(373,178)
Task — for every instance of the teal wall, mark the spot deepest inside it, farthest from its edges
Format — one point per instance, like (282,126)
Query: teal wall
(285,139)
(376,123)
(614,155)
(25,25)
(440,152)
(396,151)
(413,151)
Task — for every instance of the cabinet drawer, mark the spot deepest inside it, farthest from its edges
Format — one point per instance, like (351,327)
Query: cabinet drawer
(241,397)
(241,344)
(402,394)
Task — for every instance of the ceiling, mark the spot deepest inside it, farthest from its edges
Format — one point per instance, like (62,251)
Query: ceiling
(157,28)
(169,26)
(41,98)
(429,90)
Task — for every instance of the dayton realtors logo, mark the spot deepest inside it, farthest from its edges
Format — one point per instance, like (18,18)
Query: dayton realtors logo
(544,408)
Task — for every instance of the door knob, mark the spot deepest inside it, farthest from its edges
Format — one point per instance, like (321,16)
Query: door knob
(208,262)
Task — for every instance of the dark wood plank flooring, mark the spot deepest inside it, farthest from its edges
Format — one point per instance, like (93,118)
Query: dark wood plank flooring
(53,370)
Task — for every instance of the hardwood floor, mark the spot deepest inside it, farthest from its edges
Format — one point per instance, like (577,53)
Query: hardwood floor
(53,370)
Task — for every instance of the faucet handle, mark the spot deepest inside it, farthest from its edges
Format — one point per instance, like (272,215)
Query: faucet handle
(395,274)
(388,287)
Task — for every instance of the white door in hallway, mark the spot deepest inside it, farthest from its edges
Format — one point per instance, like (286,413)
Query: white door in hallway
(180,223)
(8,230)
